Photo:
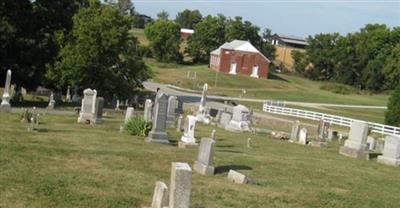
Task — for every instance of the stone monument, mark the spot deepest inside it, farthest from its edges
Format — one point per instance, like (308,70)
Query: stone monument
(205,157)
(171,113)
(240,119)
(87,106)
(148,105)
(5,100)
(356,145)
(303,137)
(294,135)
(391,151)
(202,111)
(188,135)
(158,133)
(52,102)
(180,186)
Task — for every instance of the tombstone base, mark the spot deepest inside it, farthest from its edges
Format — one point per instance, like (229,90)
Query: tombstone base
(184,145)
(157,137)
(203,169)
(388,161)
(354,153)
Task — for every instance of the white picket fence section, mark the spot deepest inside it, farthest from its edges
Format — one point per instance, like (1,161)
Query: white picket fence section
(338,120)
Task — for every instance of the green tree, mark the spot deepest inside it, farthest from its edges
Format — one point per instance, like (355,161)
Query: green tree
(266,46)
(188,18)
(236,29)
(392,115)
(209,35)
(164,38)
(300,62)
(163,15)
(126,7)
(99,53)
(391,68)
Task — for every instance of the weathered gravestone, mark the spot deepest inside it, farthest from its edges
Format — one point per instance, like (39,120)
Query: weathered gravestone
(187,138)
(371,141)
(5,100)
(158,133)
(237,177)
(52,102)
(160,195)
(87,106)
(68,95)
(213,134)
(332,135)
(171,113)
(356,145)
(75,96)
(205,157)
(98,111)
(129,114)
(391,151)
(117,105)
(240,119)
(322,130)
(294,135)
(180,124)
(303,136)
(202,111)
(180,186)
(148,105)
(225,118)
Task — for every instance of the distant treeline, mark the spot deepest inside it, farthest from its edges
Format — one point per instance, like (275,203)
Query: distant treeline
(368,59)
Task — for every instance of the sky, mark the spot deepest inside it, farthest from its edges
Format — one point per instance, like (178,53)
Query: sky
(289,17)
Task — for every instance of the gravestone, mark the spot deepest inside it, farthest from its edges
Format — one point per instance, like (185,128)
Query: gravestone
(52,102)
(303,137)
(205,157)
(148,105)
(75,96)
(171,113)
(180,186)
(5,100)
(380,144)
(202,111)
(294,135)
(356,145)
(237,177)
(117,105)
(98,111)
(213,134)
(218,116)
(68,95)
(87,106)
(187,138)
(371,141)
(129,114)
(249,143)
(180,124)
(159,118)
(322,130)
(391,151)
(240,119)
(160,195)
(225,118)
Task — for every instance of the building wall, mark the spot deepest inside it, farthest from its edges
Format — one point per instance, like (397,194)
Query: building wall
(284,55)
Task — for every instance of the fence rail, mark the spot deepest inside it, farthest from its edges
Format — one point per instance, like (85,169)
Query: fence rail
(338,120)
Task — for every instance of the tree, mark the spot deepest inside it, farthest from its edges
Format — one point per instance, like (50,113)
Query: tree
(126,7)
(392,115)
(266,46)
(99,53)
(236,29)
(209,35)
(163,15)
(188,18)
(164,38)
(391,68)
(300,62)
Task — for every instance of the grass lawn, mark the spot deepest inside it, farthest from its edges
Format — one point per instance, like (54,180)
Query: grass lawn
(73,165)
(139,33)
(278,87)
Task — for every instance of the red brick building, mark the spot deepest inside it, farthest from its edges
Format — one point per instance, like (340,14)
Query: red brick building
(240,57)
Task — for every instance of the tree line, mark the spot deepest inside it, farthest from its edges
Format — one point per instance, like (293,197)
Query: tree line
(368,59)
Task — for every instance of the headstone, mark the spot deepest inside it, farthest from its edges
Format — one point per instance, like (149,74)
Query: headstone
(5,100)
(249,143)
(87,106)
(202,111)
(117,106)
(136,101)
(213,134)
(160,195)
(380,144)
(171,113)
(332,135)
(180,186)
(129,114)
(322,131)
(75,96)
(188,134)
(148,105)
(68,95)
(237,177)
(98,111)
(218,116)
(371,141)
(294,135)
(391,151)
(52,102)
(225,118)
(303,137)
(240,119)
(158,133)
(180,124)
(356,145)
(205,157)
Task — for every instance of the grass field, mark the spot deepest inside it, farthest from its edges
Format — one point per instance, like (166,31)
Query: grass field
(139,33)
(67,164)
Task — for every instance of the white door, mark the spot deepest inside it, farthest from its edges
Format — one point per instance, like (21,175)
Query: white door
(233,68)
(254,72)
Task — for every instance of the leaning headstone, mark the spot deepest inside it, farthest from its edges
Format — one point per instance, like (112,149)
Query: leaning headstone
(187,138)
(391,151)
(202,111)
(225,118)
(356,145)
(180,126)
(240,119)
(148,105)
(98,111)
(180,186)
(87,106)
(158,133)
(52,102)
(5,100)
(371,141)
(303,137)
(171,113)
(205,157)
(294,135)
(237,177)
(160,195)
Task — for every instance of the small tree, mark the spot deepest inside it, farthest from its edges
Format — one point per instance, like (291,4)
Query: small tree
(392,115)
(188,18)
(164,37)
(163,15)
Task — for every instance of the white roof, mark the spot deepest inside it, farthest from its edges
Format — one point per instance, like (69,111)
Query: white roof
(239,45)
(185,30)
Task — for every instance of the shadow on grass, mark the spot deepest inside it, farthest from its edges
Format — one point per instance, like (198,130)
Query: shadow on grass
(225,146)
(276,77)
(226,168)
(231,151)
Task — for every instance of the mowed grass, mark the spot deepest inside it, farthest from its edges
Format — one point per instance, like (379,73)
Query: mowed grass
(278,86)
(74,165)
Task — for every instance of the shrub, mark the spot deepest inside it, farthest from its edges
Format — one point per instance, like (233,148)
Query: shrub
(137,126)
(338,88)
(392,115)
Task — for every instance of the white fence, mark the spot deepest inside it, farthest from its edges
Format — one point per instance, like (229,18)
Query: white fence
(338,120)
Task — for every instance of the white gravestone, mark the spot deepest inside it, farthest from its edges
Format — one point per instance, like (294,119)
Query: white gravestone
(356,145)
(391,151)
(225,118)
(237,177)
(205,157)
(87,106)
(303,137)
(129,114)
(148,105)
(240,119)
(160,195)
(188,134)
(371,141)
(52,102)
(294,135)
(180,186)
(5,100)
(202,111)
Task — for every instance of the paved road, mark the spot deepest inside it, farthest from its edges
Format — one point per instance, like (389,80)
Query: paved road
(195,97)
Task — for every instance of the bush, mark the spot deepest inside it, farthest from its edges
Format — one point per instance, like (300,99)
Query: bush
(137,126)
(338,88)
(392,115)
